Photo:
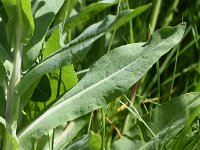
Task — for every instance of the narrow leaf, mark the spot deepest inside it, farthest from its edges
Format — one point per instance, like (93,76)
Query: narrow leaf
(20,15)
(87,13)
(112,75)
(43,17)
(65,11)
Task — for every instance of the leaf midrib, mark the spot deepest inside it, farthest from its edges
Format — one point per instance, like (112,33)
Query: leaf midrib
(63,103)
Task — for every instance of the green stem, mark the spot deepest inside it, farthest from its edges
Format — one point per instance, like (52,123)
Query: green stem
(174,73)
(113,34)
(12,105)
(153,22)
(13,99)
(104,128)
(154,17)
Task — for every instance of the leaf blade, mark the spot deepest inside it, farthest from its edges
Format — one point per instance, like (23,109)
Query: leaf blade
(112,75)
(77,48)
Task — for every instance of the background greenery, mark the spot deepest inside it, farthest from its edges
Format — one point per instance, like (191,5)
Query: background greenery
(64,39)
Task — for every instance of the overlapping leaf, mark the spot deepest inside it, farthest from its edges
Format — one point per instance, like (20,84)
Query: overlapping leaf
(112,75)
(77,48)
(88,12)
(166,121)
(44,12)
(20,16)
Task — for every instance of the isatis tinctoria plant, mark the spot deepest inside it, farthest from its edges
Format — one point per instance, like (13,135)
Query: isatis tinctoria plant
(42,104)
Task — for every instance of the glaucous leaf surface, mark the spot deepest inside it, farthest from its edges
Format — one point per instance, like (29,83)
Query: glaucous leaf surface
(43,11)
(112,75)
(76,49)
(20,16)
(166,121)
(87,13)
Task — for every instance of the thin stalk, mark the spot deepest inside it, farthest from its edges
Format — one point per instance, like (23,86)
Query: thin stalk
(57,95)
(133,94)
(174,73)
(13,99)
(132,40)
(136,114)
(134,87)
(154,16)
(113,34)
(158,78)
(153,22)
(170,13)
(90,122)
(104,128)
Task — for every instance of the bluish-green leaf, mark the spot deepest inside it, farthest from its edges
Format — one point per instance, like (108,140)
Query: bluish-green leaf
(44,12)
(76,49)
(166,121)
(88,12)
(20,16)
(112,75)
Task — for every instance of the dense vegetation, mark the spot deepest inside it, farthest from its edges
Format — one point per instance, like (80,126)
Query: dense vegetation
(91,74)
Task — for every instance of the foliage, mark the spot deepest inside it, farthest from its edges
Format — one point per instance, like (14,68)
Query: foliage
(78,74)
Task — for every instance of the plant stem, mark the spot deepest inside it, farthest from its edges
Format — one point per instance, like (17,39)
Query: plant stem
(104,128)
(153,22)
(174,73)
(13,99)
(12,105)
(154,17)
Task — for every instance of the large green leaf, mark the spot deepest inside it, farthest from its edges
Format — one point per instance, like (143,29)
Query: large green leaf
(20,16)
(87,13)
(165,121)
(76,49)
(112,75)
(44,12)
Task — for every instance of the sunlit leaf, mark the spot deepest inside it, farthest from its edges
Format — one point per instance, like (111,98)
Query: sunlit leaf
(112,75)
(76,49)
(20,16)
(88,12)
(43,11)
